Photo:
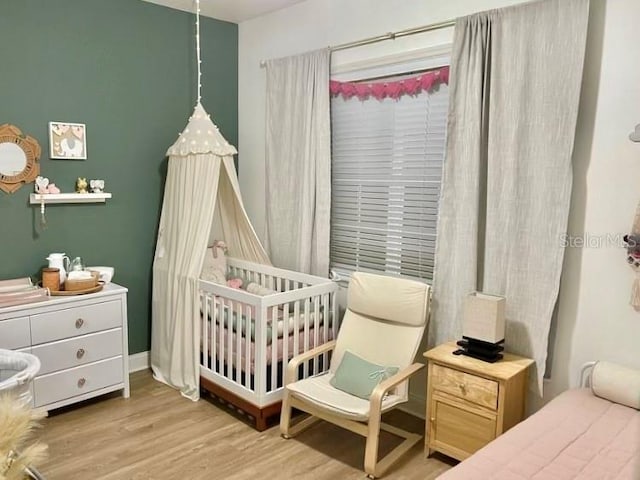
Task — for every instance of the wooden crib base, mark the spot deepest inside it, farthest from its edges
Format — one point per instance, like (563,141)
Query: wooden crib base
(259,417)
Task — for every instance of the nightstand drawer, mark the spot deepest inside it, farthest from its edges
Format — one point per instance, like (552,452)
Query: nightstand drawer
(460,431)
(15,333)
(463,385)
(76,351)
(71,322)
(77,381)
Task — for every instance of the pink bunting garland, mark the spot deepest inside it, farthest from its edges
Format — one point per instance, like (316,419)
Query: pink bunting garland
(408,86)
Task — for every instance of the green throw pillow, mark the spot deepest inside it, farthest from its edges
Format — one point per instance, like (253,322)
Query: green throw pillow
(359,377)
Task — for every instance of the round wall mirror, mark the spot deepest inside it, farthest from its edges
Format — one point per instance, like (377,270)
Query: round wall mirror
(19,155)
(13,160)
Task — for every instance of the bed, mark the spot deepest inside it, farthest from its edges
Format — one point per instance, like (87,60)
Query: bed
(578,435)
(247,339)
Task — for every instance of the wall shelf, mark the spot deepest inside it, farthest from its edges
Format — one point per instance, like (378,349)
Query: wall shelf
(48,198)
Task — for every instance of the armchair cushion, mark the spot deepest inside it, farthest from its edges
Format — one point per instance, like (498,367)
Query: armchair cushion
(319,392)
(359,377)
(396,300)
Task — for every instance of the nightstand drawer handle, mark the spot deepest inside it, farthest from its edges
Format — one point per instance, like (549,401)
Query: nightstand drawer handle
(80,353)
(79,323)
(463,388)
(81,382)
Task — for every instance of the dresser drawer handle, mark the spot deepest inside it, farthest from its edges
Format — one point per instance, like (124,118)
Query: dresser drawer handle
(80,353)
(79,323)
(463,388)
(81,382)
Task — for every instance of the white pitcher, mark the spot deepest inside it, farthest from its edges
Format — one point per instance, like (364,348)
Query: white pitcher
(57,260)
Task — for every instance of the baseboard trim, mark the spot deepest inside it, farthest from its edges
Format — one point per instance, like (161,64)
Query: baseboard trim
(139,361)
(415,406)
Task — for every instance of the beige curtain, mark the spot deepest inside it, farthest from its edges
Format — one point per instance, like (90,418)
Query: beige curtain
(298,162)
(515,88)
(201,202)
(185,224)
(231,222)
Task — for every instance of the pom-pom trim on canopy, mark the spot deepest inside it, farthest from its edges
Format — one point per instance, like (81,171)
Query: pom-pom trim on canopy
(201,136)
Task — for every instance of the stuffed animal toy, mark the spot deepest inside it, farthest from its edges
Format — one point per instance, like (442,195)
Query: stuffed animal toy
(43,186)
(214,268)
(81,185)
(235,283)
(219,249)
(97,186)
(633,258)
(258,289)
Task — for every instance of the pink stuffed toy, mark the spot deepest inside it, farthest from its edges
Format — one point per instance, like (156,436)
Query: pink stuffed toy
(235,283)
(43,186)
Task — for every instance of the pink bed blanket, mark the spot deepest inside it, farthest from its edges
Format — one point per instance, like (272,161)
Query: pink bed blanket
(576,436)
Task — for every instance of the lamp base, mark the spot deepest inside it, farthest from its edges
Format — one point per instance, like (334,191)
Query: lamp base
(487,352)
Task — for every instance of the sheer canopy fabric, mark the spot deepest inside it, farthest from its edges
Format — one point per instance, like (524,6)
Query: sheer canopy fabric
(201,202)
(298,162)
(515,86)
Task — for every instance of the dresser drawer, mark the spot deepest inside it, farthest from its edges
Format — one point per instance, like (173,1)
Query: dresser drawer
(15,333)
(58,386)
(71,322)
(478,390)
(78,350)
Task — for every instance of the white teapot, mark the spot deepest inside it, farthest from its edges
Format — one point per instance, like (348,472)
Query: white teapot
(57,260)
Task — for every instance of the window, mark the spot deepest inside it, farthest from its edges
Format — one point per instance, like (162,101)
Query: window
(387,158)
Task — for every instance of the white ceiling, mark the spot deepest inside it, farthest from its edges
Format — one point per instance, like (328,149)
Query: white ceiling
(235,11)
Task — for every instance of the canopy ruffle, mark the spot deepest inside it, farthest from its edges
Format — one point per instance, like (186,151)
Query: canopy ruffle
(201,136)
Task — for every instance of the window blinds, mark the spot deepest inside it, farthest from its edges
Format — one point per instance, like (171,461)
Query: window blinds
(387,159)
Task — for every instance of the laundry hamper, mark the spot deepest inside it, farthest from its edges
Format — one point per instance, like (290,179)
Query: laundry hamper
(17,371)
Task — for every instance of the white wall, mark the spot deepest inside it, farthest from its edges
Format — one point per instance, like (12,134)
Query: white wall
(594,319)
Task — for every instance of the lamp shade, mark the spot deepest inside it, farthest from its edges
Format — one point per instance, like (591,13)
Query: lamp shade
(484,317)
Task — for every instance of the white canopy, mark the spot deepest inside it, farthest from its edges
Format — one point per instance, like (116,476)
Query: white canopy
(201,203)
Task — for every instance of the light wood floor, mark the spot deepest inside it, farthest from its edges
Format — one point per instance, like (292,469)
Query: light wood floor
(157,434)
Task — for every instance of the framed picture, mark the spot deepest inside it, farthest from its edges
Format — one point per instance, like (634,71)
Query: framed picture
(67,141)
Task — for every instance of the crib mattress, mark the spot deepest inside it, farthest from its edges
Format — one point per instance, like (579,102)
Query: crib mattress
(576,436)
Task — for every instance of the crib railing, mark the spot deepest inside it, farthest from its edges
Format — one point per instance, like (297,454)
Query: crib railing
(248,339)
(270,277)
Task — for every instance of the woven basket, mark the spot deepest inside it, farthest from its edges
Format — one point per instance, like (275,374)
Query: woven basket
(71,285)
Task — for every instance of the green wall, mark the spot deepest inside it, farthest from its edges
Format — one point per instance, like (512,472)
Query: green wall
(126,69)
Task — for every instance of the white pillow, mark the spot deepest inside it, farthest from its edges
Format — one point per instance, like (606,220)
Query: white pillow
(616,383)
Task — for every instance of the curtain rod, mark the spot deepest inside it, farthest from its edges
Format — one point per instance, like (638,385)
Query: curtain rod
(389,36)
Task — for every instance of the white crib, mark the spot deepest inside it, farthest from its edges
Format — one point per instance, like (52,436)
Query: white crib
(243,357)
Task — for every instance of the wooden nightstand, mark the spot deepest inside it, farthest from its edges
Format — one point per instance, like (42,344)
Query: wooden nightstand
(471,402)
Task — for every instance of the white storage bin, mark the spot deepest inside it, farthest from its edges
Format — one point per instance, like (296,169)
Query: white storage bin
(17,371)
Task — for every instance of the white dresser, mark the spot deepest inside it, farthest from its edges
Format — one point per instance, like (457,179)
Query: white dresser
(80,340)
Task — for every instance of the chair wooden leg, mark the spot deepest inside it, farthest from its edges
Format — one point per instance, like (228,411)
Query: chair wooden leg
(371,450)
(302,425)
(285,415)
(409,440)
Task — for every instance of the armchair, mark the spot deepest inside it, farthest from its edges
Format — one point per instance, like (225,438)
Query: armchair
(384,324)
